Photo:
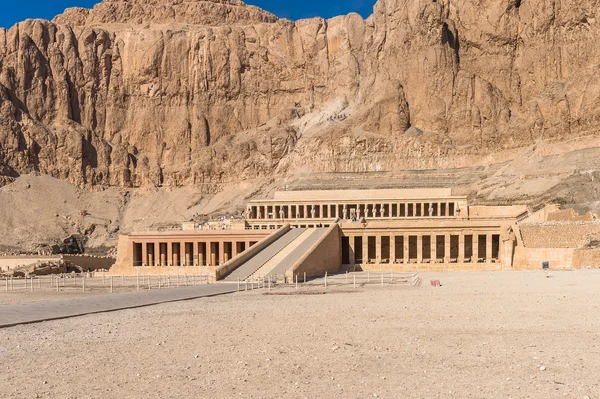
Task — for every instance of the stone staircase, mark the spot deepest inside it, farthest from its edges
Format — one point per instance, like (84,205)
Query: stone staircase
(268,267)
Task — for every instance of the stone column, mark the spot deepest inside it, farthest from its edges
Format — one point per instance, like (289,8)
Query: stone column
(170,254)
(420,248)
(213,253)
(488,248)
(392,248)
(225,253)
(176,258)
(151,255)
(201,255)
(144,253)
(365,245)
(447,248)
(234,249)
(194,253)
(183,255)
(475,248)
(163,256)
(352,246)
(461,248)
(378,249)
(221,252)
(156,254)
(406,248)
(432,248)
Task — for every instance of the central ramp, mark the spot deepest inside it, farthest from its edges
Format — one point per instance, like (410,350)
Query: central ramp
(256,262)
(298,252)
(269,267)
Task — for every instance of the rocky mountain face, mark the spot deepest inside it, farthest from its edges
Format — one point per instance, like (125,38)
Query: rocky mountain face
(175,93)
(180,92)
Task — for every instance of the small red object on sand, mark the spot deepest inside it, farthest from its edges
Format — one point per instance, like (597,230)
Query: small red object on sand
(435,283)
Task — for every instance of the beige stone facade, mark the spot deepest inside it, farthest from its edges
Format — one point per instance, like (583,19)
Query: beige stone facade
(186,251)
(402,230)
(399,229)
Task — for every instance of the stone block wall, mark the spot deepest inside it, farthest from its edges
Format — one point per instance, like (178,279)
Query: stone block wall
(586,258)
(559,234)
(569,215)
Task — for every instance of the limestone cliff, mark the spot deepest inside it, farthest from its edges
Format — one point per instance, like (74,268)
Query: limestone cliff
(173,93)
(158,92)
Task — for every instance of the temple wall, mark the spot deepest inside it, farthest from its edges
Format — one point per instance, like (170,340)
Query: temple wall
(586,258)
(559,234)
(532,258)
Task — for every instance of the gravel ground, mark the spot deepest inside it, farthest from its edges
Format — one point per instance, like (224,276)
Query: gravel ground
(480,335)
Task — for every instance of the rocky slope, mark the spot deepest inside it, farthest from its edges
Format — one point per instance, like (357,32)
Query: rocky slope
(210,94)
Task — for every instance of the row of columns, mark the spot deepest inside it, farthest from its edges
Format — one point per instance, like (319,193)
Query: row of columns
(349,211)
(185,253)
(405,256)
(296,225)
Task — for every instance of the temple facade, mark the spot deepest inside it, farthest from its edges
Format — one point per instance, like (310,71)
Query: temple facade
(389,229)
(422,229)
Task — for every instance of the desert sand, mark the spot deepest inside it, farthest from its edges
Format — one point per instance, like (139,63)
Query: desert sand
(480,335)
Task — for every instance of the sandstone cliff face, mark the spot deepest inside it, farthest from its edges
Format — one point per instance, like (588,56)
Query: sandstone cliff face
(183,92)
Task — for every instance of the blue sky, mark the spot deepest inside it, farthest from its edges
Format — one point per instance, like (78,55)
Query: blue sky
(15,11)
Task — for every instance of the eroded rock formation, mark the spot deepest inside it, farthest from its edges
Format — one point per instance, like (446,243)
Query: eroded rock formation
(187,92)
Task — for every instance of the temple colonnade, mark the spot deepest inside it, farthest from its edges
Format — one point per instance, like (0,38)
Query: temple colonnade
(350,210)
(187,253)
(422,247)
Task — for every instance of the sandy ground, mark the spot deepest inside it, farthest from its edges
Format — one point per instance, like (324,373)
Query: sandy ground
(481,335)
